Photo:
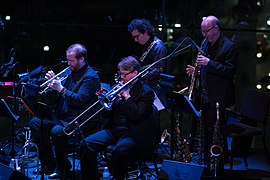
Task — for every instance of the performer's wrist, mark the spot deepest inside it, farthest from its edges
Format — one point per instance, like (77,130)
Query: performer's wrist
(63,91)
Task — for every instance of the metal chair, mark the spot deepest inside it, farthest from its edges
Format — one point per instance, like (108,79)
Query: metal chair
(254,110)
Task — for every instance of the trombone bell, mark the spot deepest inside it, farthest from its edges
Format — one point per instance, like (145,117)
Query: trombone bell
(105,101)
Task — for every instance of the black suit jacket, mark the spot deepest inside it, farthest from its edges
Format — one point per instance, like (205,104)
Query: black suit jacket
(140,114)
(217,78)
(79,96)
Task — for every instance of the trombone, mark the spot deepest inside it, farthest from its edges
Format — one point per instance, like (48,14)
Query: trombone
(106,98)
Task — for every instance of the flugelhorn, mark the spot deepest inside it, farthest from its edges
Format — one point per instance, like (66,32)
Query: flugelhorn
(45,86)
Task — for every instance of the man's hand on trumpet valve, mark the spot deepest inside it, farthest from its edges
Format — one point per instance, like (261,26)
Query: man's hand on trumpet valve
(50,74)
(56,84)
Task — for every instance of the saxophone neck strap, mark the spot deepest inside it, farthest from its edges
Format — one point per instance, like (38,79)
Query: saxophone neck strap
(148,50)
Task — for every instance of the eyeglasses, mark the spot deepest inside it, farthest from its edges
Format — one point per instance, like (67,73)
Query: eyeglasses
(124,74)
(136,36)
(207,31)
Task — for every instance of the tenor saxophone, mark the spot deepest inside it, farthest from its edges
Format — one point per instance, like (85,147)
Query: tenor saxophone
(182,152)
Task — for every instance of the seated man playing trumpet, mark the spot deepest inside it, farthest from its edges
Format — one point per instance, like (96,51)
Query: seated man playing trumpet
(75,94)
(130,125)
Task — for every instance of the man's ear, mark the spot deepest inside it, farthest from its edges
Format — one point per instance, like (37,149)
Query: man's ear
(136,72)
(81,59)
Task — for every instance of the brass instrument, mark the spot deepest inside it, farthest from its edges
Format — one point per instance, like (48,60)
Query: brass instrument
(45,87)
(165,137)
(201,51)
(71,127)
(105,99)
(181,151)
(193,80)
(197,69)
(216,149)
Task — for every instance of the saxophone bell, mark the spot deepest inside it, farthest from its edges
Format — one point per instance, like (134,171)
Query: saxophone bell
(165,137)
(216,150)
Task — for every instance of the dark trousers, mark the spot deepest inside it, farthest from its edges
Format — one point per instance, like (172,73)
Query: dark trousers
(97,142)
(50,132)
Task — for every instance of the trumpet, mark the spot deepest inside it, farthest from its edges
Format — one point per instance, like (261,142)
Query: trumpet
(45,86)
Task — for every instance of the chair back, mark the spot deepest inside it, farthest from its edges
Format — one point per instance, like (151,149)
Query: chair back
(144,136)
(255,105)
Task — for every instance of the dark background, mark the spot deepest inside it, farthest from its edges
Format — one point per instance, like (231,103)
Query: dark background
(101,25)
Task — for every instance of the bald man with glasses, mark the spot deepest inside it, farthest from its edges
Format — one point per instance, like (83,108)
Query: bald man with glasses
(217,71)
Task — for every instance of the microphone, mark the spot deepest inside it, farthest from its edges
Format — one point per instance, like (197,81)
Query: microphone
(2,25)
(56,65)
(22,75)
(197,47)
(27,76)
(10,64)
(11,55)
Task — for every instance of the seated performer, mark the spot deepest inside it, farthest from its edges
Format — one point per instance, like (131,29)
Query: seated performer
(130,126)
(75,94)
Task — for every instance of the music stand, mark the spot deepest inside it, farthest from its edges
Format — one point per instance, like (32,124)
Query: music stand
(185,105)
(6,112)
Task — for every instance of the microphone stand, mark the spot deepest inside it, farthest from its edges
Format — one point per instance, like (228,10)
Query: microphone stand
(12,152)
(145,71)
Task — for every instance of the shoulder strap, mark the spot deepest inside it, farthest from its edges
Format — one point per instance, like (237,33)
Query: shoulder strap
(148,50)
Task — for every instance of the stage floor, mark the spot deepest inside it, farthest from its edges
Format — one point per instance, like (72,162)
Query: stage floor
(258,168)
